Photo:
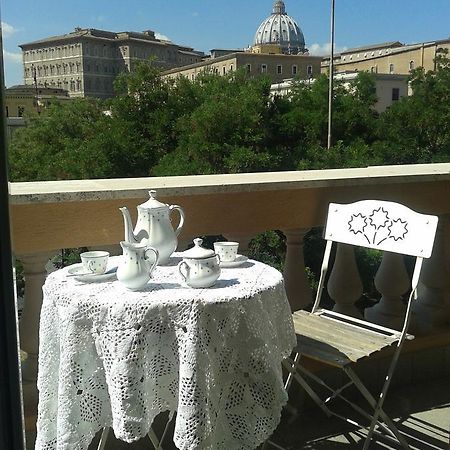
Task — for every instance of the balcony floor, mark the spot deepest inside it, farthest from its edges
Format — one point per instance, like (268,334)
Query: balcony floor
(421,411)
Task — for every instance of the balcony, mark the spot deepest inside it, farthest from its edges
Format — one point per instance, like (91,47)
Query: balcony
(48,216)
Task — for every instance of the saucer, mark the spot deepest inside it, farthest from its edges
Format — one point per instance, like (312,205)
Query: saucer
(240,259)
(79,273)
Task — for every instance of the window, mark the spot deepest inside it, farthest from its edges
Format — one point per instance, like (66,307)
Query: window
(391,68)
(395,94)
(231,67)
(263,68)
(20,111)
(411,65)
(294,70)
(309,70)
(7,111)
(279,69)
(224,70)
(249,68)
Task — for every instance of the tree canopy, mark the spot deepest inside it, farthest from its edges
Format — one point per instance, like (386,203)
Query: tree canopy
(156,126)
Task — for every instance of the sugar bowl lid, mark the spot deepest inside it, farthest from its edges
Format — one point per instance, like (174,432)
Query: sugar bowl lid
(152,202)
(197,251)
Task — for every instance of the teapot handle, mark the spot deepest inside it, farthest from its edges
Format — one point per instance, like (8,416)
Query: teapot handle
(183,264)
(180,224)
(151,249)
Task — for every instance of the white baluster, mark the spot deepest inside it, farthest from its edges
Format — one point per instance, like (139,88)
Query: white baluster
(34,272)
(344,285)
(391,281)
(431,310)
(297,285)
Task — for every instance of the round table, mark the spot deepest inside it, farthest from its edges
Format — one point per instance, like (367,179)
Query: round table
(110,357)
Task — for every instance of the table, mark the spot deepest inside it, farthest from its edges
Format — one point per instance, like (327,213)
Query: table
(110,357)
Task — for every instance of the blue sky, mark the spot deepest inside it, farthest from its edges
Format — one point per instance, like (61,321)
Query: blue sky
(207,24)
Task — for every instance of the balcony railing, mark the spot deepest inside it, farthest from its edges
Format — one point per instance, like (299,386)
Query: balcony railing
(48,216)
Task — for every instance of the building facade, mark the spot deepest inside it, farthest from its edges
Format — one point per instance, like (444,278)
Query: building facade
(392,58)
(388,88)
(26,98)
(85,62)
(277,66)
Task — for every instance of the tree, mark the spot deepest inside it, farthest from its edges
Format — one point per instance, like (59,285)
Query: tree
(417,128)
(61,143)
(226,130)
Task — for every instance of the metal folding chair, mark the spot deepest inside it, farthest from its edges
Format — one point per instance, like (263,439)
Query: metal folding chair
(341,341)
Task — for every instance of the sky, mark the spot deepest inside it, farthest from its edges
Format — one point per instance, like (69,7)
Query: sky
(208,24)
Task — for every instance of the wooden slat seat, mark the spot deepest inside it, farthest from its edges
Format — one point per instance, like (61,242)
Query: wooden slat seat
(325,339)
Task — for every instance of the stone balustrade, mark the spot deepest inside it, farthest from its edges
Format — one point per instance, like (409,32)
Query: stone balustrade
(48,216)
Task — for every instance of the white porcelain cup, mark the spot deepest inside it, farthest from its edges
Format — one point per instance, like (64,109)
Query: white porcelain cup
(95,262)
(227,251)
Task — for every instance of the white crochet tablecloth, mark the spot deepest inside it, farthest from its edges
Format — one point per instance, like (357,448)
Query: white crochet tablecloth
(110,357)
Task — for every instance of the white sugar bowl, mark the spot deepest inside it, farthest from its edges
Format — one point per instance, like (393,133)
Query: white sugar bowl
(200,267)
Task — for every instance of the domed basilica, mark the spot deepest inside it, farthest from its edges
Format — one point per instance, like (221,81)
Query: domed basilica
(280,33)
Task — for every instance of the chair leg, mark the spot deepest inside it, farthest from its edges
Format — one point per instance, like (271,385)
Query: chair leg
(157,443)
(378,408)
(103,439)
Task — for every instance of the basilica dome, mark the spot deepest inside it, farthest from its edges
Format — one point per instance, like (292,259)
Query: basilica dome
(282,30)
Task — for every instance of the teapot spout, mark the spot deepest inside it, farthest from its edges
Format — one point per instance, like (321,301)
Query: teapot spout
(129,235)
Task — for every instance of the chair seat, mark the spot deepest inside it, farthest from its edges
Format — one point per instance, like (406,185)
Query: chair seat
(326,337)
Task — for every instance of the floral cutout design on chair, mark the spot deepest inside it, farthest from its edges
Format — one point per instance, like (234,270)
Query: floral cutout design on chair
(378,226)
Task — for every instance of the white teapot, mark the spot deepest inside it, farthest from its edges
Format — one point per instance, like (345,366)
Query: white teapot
(153,226)
(200,267)
(136,265)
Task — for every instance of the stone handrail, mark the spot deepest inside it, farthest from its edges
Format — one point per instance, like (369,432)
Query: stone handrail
(64,214)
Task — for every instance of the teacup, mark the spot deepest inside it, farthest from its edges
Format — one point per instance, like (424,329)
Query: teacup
(227,251)
(95,262)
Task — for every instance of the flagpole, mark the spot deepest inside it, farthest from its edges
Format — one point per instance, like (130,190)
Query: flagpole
(331,76)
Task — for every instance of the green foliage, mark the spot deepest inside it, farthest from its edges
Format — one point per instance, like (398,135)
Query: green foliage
(230,124)
(270,248)
(62,143)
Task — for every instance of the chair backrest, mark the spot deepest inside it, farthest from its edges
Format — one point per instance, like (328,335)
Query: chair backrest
(382,225)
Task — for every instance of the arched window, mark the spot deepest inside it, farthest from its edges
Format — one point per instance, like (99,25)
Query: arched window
(391,68)
(411,65)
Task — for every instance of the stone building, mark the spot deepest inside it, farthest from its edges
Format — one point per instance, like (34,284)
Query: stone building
(277,66)
(20,99)
(388,88)
(278,50)
(392,58)
(86,61)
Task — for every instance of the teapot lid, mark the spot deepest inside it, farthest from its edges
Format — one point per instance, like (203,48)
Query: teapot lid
(197,251)
(152,203)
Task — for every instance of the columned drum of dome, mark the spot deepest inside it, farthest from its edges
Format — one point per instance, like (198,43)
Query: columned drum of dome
(282,30)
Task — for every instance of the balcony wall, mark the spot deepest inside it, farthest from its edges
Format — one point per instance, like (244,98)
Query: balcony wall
(48,216)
